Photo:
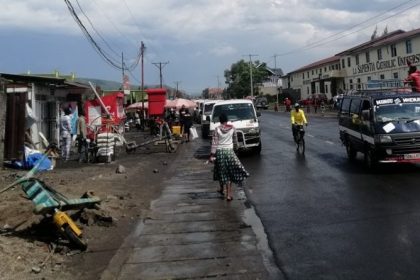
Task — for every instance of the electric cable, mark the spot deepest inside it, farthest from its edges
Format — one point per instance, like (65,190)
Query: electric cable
(324,41)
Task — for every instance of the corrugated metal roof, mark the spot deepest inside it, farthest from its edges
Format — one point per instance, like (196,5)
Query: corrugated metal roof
(31,78)
(317,64)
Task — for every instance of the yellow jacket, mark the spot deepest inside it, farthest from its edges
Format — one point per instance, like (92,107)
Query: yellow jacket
(298,117)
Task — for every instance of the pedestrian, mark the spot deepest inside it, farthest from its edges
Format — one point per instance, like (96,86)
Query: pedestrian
(228,168)
(65,134)
(413,78)
(82,137)
(182,112)
(137,119)
(287,104)
(188,123)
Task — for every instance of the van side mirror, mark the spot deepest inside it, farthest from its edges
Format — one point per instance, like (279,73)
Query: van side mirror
(366,114)
(258,114)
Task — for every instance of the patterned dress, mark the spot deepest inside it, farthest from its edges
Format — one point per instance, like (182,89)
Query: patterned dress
(227,167)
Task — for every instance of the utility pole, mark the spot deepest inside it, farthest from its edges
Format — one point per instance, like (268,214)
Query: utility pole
(250,72)
(176,93)
(275,61)
(122,67)
(160,65)
(275,70)
(142,50)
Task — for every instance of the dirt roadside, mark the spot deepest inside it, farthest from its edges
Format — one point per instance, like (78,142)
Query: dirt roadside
(30,248)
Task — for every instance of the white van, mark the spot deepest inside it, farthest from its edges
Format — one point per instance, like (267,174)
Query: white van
(242,115)
(205,123)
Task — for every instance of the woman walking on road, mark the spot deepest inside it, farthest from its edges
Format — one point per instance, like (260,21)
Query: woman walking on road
(227,169)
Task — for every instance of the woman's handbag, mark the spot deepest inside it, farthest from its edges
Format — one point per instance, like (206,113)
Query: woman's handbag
(193,132)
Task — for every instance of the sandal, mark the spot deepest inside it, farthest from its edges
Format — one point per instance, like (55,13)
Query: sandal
(229,198)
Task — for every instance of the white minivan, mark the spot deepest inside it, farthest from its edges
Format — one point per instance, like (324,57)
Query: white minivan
(242,115)
(205,123)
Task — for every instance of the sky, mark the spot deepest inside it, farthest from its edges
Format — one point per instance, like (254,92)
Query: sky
(196,39)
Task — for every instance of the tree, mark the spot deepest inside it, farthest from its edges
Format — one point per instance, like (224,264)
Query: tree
(238,78)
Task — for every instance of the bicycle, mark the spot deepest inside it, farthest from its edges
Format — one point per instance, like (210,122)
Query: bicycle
(299,138)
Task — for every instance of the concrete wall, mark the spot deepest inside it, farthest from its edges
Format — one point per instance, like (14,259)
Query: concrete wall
(3,102)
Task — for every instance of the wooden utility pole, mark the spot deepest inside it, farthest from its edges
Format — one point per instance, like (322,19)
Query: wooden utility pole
(142,50)
(176,93)
(160,65)
(250,72)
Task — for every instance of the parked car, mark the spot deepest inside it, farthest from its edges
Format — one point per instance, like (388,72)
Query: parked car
(261,103)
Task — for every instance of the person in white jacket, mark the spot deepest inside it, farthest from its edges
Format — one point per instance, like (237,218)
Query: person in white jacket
(65,134)
(228,168)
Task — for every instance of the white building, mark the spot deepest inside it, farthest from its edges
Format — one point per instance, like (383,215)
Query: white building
(378,63)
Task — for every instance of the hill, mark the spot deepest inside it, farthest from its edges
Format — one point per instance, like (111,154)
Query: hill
(104,84)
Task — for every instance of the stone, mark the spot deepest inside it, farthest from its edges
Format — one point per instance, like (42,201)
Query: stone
(120,170)
(36,269)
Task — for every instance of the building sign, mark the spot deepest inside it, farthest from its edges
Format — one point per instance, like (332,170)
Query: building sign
(378,84)
(386,64)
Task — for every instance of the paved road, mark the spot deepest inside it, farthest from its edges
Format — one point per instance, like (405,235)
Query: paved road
(327,218)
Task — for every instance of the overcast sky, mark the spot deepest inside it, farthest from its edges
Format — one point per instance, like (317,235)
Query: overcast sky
(199,38)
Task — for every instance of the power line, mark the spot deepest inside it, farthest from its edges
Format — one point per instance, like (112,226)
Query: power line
(94,29)
(324,41)
(95,45)
(109,59)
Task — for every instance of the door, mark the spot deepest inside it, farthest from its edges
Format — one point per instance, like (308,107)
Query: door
(15,126)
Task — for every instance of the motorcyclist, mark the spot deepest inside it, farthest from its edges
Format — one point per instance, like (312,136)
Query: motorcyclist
(297,117)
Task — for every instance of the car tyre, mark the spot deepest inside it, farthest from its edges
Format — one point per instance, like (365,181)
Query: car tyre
(351,151)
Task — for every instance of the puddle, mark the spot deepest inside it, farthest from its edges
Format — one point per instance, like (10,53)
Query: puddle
(251,218)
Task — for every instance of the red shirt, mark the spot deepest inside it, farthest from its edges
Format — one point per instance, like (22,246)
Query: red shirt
(414,80)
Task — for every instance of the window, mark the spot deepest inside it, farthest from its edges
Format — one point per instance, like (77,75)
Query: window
(345,106)
(348,61)
(307,74)
(358,83)
(351,83)
(303,75)
(343,63)
(379,54)
(369,78)
(408,47)
(357,59)
(326,88)
(382,76)
(393,50)
(367,57)
(355,106)
(325,69)
(312,72)
(395,75)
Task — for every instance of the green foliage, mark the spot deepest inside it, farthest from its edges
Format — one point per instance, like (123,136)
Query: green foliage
(238,78)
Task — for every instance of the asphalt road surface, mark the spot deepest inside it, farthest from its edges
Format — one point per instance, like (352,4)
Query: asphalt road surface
(328,218)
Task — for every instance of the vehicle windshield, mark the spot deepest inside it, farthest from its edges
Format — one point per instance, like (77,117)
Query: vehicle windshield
(208,108)
(398,112)
(235,112)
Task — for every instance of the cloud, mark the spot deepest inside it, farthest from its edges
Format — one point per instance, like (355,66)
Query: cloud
(223,50)
(211,32)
